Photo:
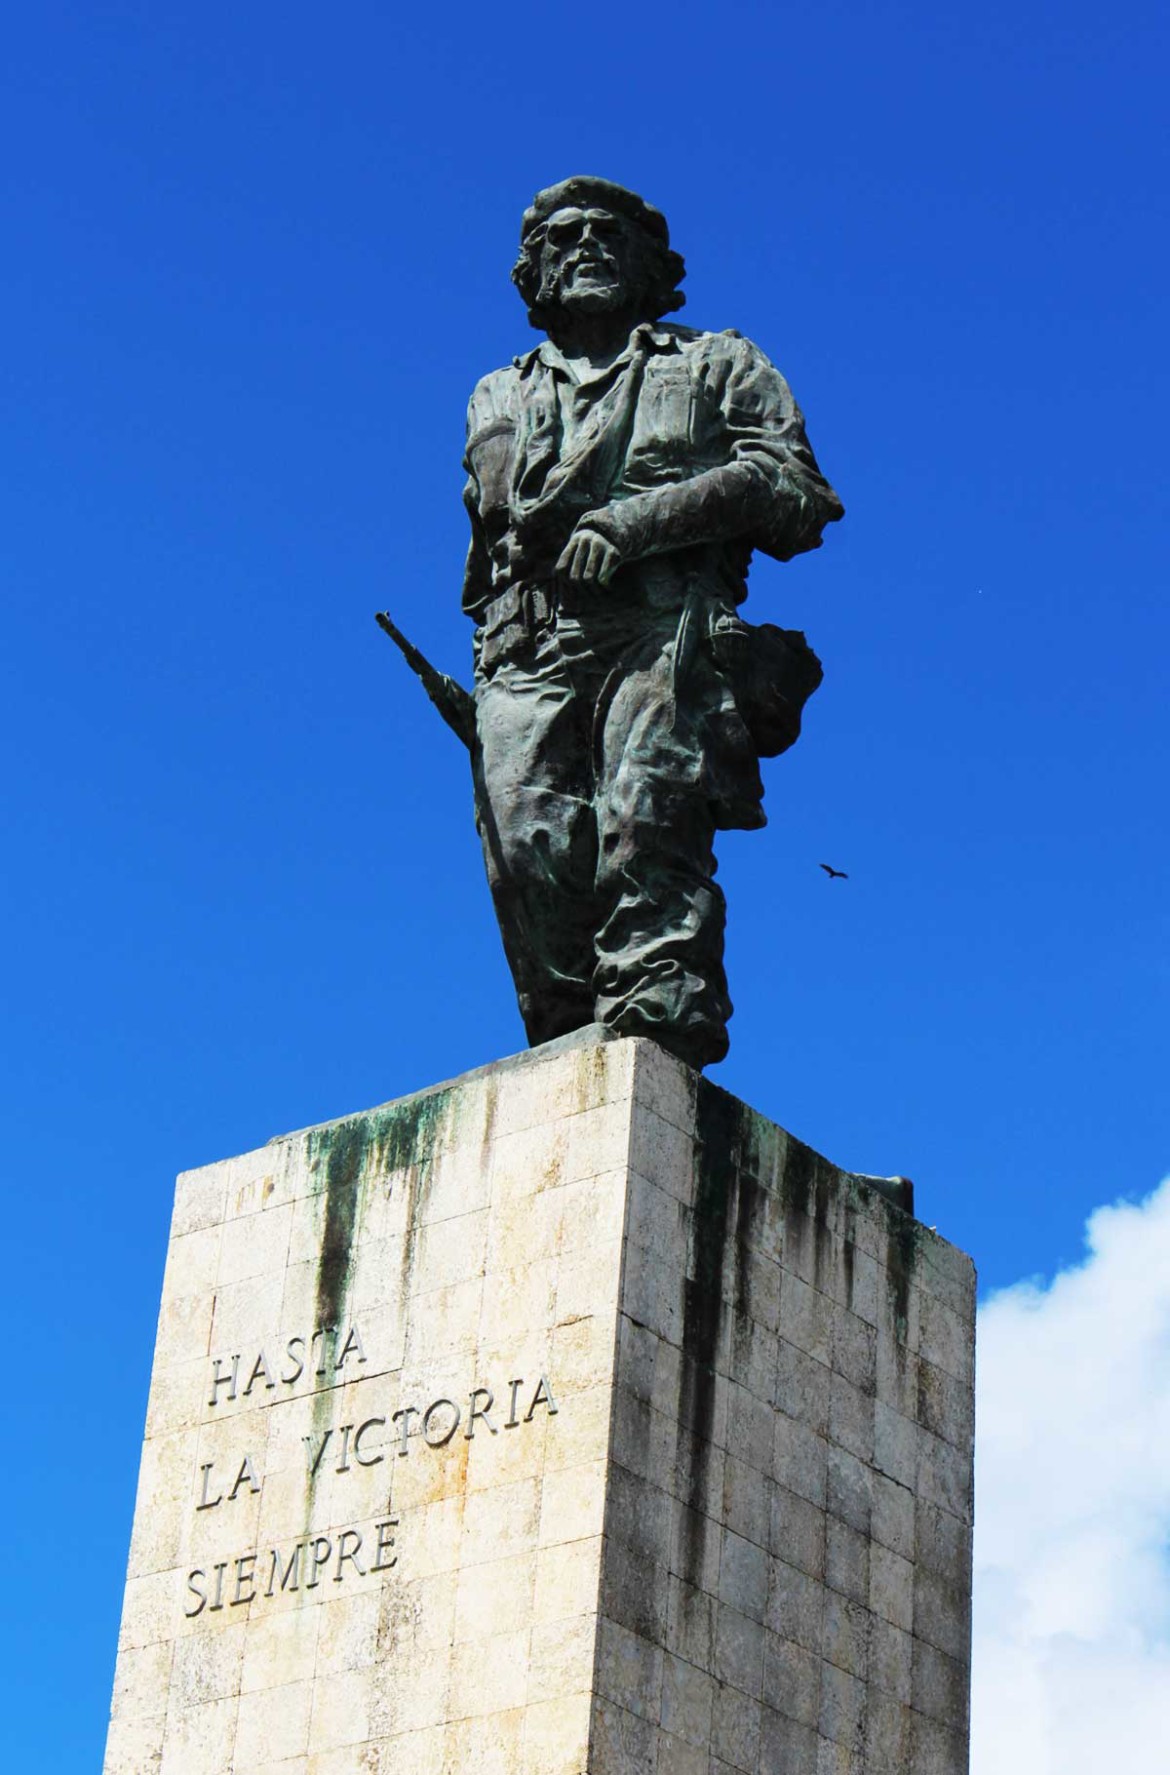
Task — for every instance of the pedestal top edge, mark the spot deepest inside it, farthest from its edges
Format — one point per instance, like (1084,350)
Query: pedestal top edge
(895,1193)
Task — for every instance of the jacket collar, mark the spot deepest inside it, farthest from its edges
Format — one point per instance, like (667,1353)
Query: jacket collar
(648,333)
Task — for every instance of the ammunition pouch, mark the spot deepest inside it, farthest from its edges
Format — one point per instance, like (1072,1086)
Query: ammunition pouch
(771,672)
(510,624)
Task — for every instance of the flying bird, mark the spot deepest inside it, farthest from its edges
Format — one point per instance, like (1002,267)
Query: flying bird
(834,874)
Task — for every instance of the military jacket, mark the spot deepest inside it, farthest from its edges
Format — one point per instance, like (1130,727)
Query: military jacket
(687,453)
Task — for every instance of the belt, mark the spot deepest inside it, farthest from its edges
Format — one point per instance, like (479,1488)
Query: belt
(531,605)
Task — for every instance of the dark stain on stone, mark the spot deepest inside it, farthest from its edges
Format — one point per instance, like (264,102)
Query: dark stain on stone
(404,1139)
(383,1143)
(749,1206)
(823,1256)
(718,1150)
(406,1131)
(848,1261)
(821,1192)
(380,1144)
(798,1179)
(490,1107)
(901,1258)
(806,1192)
(340,1152)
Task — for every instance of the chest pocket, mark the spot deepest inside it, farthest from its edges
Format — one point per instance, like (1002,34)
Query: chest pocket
(490,455)
(664,422)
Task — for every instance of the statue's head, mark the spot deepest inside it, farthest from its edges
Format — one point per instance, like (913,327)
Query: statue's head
(589,247)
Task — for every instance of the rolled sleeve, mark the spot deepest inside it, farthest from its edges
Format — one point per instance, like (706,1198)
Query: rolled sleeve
(769,490)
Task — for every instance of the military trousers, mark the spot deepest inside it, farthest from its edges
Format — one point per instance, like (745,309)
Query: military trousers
(598,781)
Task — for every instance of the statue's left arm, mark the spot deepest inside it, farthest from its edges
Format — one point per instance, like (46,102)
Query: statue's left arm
(769,490)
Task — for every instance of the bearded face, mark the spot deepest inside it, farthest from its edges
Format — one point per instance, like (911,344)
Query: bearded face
(590,262)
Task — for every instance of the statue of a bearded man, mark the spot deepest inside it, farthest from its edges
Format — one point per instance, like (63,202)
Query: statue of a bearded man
(620,476)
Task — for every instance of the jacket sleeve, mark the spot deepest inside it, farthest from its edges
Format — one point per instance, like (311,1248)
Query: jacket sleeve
(769,491)
(477,571)
(482,424)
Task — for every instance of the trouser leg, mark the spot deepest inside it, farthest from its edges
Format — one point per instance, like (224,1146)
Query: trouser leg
(539,841)
(660,944)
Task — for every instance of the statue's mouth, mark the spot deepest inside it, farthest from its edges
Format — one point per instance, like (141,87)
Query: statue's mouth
(592,271)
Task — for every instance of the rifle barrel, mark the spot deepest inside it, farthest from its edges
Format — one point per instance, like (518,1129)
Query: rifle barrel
(455,704)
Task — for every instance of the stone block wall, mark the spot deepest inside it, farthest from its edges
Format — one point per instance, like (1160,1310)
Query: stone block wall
(570,1419)
(787,1564)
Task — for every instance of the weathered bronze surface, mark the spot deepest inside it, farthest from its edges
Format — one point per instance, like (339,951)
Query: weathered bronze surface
(620,476)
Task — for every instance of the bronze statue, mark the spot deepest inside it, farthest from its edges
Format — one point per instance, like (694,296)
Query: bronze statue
(620,476)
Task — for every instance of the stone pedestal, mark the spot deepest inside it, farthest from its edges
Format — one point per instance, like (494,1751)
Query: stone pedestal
(569,1419)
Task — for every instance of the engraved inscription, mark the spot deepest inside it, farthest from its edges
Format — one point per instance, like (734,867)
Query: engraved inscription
(323,1356)
(304,1565)
(367,1442)
(245,1478)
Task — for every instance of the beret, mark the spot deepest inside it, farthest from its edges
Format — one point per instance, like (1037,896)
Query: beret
(583,190)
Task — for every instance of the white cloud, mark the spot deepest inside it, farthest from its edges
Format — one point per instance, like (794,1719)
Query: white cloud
(1072,1576)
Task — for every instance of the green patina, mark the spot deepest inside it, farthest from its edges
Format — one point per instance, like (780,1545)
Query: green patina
(347,1156)
(338,1154)
(411,1136)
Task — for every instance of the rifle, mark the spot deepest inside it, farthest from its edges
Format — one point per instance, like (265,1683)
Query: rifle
(455,705)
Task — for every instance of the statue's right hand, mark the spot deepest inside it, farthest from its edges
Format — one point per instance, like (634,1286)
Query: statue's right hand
(588,558)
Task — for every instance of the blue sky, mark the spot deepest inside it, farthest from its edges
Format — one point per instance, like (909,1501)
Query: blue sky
(257,257)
